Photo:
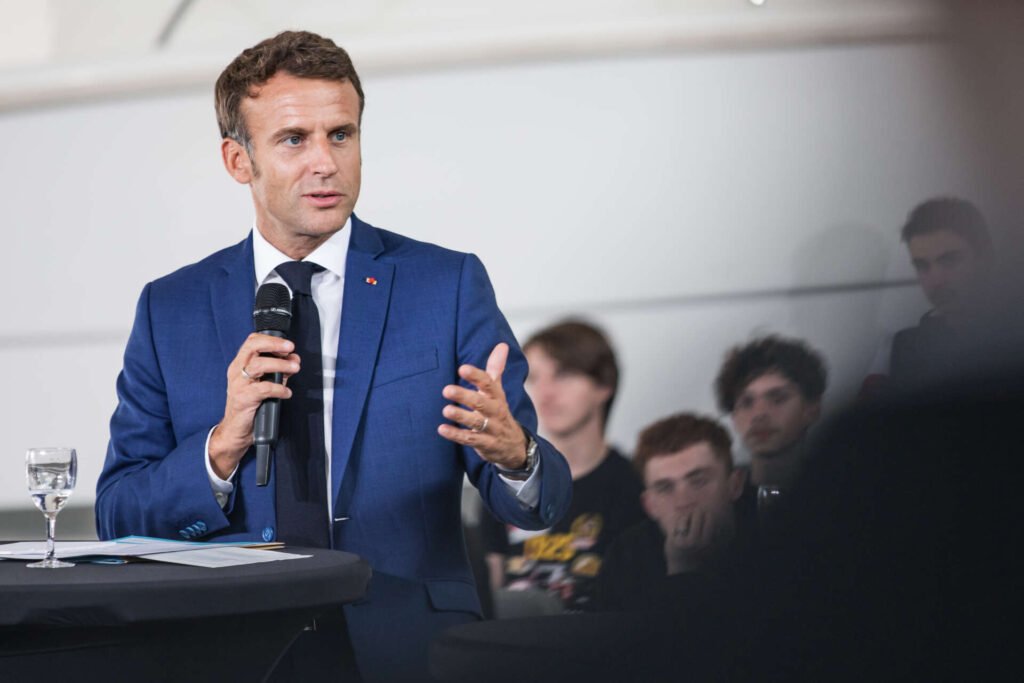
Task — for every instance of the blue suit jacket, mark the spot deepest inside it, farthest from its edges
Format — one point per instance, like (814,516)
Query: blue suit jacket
(402,340)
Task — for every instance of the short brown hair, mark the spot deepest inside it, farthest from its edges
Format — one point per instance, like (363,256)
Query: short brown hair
(673,434)
(299,53)
(581,347)
(959,216)
(791,358)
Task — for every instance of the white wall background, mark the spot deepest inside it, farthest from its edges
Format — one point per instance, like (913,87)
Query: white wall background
(684,201)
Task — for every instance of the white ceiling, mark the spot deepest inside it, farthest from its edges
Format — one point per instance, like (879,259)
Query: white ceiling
(55,50)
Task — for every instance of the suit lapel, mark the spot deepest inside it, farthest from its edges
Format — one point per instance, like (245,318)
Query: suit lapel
(232,296)
(363,313)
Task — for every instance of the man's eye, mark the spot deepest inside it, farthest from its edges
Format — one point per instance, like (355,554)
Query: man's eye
(662,488)
(340,136)
(949,260)
(293,140)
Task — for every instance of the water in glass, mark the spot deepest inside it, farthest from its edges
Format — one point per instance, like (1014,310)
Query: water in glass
(51,474)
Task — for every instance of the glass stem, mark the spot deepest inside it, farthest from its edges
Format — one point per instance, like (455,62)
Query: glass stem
(51,531)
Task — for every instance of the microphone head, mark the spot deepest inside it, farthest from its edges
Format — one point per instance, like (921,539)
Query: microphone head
(273,310)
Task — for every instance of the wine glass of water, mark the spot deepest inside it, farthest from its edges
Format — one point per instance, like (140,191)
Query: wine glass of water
(51,474)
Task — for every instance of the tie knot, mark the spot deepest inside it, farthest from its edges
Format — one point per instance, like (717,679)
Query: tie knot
(298,275)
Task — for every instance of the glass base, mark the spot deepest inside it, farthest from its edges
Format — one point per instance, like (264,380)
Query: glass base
(53,563)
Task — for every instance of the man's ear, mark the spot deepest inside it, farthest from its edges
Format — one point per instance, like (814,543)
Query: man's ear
(737,480)
(236,160)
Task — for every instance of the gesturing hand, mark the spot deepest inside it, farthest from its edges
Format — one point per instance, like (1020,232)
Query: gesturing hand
(487,423)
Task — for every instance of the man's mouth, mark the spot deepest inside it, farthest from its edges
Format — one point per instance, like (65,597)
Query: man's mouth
(323,199)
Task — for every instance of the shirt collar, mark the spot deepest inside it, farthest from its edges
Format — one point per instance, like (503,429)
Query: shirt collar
(331,254)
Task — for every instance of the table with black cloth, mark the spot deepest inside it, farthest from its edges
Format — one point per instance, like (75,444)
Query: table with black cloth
(152,621)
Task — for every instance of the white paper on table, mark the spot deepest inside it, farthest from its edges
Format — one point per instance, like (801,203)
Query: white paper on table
(36,550)
(230,556)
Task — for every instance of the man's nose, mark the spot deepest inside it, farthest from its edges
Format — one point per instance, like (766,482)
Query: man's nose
(682,498)
(322,162)
(759,410)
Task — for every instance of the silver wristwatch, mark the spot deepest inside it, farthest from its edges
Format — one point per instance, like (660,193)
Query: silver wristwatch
(523,473)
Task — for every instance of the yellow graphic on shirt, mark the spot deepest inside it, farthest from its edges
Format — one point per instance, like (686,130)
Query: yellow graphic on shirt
(587,564)
(549,548)
(585,529)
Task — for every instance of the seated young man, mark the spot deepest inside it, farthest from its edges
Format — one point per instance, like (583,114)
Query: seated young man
(690,491)
(772,389)
(572,381)
(951,251)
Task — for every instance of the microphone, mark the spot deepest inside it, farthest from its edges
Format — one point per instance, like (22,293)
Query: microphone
(272,315)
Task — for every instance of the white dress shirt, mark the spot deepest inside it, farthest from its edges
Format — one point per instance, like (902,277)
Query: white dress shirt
(328,289)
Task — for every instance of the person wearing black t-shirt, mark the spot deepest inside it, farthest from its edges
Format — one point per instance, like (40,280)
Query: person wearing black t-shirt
(573,378)
(693,545)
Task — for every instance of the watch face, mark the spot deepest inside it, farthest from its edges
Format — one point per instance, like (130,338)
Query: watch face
(531,454)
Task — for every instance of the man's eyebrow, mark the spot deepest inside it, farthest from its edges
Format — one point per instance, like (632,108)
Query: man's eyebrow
(700,471)
(348,128)
(290,131)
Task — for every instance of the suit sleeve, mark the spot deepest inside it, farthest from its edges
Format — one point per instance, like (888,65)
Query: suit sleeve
(154,481)
(480,327)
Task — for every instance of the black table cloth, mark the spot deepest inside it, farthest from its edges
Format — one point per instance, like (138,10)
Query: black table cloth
(154,621)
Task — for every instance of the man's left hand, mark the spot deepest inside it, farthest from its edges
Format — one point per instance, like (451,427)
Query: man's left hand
(487,423)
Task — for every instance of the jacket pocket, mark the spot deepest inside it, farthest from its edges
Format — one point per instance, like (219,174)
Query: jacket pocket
(398,366)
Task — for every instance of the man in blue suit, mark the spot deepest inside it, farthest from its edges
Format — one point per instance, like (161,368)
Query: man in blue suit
(407,410)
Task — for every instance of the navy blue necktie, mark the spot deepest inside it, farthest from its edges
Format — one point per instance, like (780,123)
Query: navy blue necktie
(300,455)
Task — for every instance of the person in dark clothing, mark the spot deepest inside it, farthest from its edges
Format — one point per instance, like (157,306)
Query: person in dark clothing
(771,387)
(573,378)
(951,250)
(690,491)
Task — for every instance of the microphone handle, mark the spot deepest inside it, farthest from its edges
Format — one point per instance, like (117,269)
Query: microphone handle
(265,424)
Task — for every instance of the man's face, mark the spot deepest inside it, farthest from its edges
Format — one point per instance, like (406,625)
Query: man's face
(771,414)
(947,267)
(565,400)
(305,169)
(693,480)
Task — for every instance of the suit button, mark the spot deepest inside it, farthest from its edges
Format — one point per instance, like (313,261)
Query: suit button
(184,533)
(549,511)
(201,526)
(268,534)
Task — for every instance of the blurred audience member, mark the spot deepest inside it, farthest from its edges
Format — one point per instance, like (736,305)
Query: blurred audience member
(690,489)
(772,389)
(573,378)
(951,251)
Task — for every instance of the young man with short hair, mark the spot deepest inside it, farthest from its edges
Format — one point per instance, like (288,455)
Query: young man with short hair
(402,378)
(690,490)
(951,251)
(572,381)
